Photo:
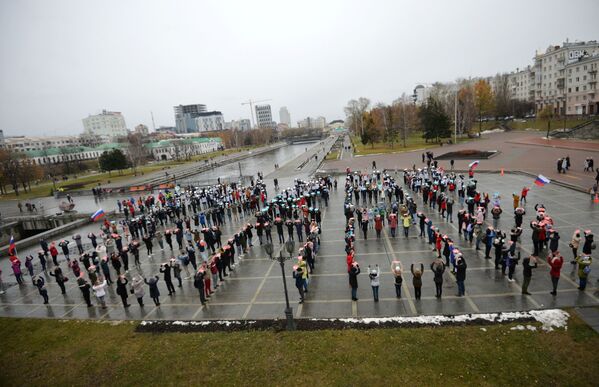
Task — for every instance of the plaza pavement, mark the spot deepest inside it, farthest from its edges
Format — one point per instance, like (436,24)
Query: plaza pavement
(518,151)
(255,290)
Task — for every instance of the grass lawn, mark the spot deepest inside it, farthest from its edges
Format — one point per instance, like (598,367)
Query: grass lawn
(52,352)
(332,155)
(91,180)
(413,141)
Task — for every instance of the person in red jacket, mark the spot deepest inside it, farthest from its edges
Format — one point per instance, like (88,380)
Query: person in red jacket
(438,240)
(378,226)
(393,224)
(350,260)
(556,261)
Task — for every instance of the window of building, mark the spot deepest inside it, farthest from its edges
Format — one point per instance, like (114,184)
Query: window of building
(584,77)
(569,89)
(576,90)
(585,67)
(584,87)
(577,79)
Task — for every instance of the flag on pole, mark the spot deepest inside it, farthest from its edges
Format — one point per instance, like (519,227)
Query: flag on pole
(473,164)
(542,180)
(12,246)
(97,215)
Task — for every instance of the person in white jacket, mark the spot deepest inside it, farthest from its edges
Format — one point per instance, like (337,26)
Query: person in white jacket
(100,291)
(374,274)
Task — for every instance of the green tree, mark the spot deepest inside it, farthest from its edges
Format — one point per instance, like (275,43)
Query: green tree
(113,160)
(435,122)
(370,132)
(483,99)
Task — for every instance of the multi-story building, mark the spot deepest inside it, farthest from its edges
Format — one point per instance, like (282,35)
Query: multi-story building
(313,123)
(1,138)
(582,91)
(183,148)
(422,93)
(242,124)
(520,84)
(555,72)
(284,116)
(264,116)
(106,124)
(209,121)
(35,143)
(185,116)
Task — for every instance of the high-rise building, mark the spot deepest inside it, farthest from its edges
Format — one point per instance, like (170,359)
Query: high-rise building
(242,124)
(264,116)
(209,121)
(520,84)
(284,116)
(106,124)
(185,116)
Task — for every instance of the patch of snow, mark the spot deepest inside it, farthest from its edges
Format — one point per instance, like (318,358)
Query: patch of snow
(483,329)
(551,318)
(490,131)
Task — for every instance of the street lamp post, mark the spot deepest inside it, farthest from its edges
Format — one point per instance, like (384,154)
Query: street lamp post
(290,247)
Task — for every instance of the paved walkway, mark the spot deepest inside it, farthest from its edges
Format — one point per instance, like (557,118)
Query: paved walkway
(515,153)
(254,290)
(589,316)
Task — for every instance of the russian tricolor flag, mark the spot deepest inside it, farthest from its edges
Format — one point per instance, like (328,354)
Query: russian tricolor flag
(12,246)
(542,180)
(98,215)
(473,164)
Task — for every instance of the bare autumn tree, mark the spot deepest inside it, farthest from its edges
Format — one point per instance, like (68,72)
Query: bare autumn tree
(136,151)
(10,162)
(354,112)
(503,105)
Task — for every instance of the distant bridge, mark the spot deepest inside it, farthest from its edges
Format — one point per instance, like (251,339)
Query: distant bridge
(302,139)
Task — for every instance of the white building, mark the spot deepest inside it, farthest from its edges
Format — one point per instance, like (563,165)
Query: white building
(106,124)
(556,71)
(185,116)
(242,124)
(582,93)
(183,148)
(313,123)
(264,116)
(36,143)
(422,93)
(142,130)
(520,84)
(284,116)
(209,121)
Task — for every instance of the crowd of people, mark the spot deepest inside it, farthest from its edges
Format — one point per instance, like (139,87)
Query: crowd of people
(375,198)
(185,225)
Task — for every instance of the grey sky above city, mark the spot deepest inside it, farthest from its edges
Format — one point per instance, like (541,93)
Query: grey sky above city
(63,60)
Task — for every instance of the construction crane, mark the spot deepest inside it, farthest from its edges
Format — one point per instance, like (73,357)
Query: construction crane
(251,103)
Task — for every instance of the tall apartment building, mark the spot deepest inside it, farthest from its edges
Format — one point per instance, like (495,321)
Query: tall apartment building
(313,123)
(264,116)
(557,70)
(209,121)
(242,124)
(582,91)
(185,116)
(284,116)
(106,124)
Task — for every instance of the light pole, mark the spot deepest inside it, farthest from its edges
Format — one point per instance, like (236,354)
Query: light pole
(290,247)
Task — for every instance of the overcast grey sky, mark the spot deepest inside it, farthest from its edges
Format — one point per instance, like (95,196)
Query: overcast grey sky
(62,60)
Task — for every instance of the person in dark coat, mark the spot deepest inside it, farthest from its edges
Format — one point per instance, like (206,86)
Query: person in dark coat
(438,268)
(353,280)
(60,278)
(85,287)
(417,280)
(198,283)
(121,289)
(154,292)
(166,269)
(528,263)
(41,287)
(460,275)
(298,274)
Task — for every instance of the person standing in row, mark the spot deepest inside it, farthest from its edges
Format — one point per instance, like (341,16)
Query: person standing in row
(556,262)
(460,274)
(100,290)
(417,280)
(528,264)
(60,278)
(438,268)
(396,270)
(374,275)
(298,274)
(85,287)
(41,288)
(353,280)
(121,289)
(154,292)
(137,285)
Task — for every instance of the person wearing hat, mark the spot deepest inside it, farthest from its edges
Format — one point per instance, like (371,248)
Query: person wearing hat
(574,245)
(396,270)
(584,268)
(374,275)
(417,280)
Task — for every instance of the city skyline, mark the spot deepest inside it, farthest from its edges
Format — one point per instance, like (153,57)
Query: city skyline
(69,59)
